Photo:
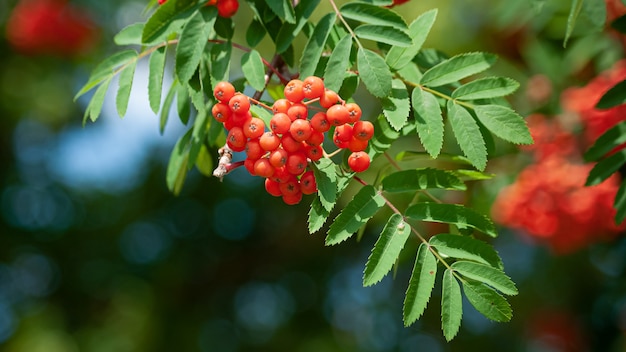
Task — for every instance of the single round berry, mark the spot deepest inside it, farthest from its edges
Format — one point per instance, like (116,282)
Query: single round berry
(359,161)
(281,105)
(363,130)
(357,145)
(290,187)
(280,123)
(290,144)
(253,149)
(269,141)
(236,140)
(354,112)
(281,175)
(227,8)
(249,165)
(239,104)
(338,115)
(240,119)
(224,91)
(316,138)
(329,98)
(313,87)
(319,122)
(298,111)
(272,187)
(307,183)
(293,91)
(221,112)
(296,163)
(343,133)
(300,130)
(292,199)
(314,152)
(254,128)
(278,157)
(263,168)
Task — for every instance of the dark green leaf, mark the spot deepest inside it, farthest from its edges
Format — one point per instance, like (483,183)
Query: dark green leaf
(428,121)
(155,79)
(383,34)
(399,57)
(473,175)
(224,27)
(283,9)
(619,24)
(289,31)
(167,19)
(424,178)
(608,141)
(420,285)
(397,106)
(192,42)
(463,247)
(183,105)
(386,250)
(200,129)
(326,179)
(486,274)
(338,63)
(614,97)
(220,61)
(504,123)
(451,306)
(384,135)
(374,73)
(129,35)
(372,14)
(457,68)
(451,214)
(575,9)
(177,166)
(125,86)
(315,45)
(255,33)
(487,301)
(365,204)
(605,168)
(253,69)
(167,105)
(468,135)
(620,204)
(485,88)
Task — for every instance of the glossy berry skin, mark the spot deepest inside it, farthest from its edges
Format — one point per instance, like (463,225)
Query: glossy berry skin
(272,187)
(236,140)
(290,187)
(314,152)
(298,111)
(363,130)
(307,183)
(313,87)
(280,123)
(278,157)
(269,141)
(263,168)
(281,105)
(357,145)
(227,8)
(292,199)
(254,150)
(329,98)
(281,175)
(316,138)
(290,144)
(239,104)
(224,91)
(354,112)
(296,163)
(300,130)
(338,115)
(343,133)
(320,123)
(221,112)
(293,91)
(359,161)
(254,128)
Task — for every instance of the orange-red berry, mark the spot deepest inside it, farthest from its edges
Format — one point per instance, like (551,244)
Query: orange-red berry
(296,163)
(272,187)
(221,112)
(319,122)
(292,199)
(254,127)
(300,130)
(269,141)
(354,112)
(278,157)
(263,168)
(224,91)
(280,123)
(313,87)
(281,105)
(329,98)
(359,161)
(253,149)
(363,130)
(307,183)
(293,91)
(236,140)
(338,115)
(227,8)
(239,104)
(298,111)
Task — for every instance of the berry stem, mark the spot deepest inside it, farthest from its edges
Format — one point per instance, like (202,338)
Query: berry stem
(261,104)
(395,164)
(332,3)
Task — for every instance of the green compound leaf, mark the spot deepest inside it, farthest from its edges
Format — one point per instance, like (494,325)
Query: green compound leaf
(620,204)
(374,73)
(608,141)
(156,67)
(487,301)
(468,135)
(428,121)
(424,178)
(253,69)
(383,34)
(338,63)
(486,274)
(192,42)
(397,106)
(129,35)
(372,14)
(614,97)
(399,57)
(605,168)
(420,285)
(177,166)
(451,214)
(315,45)
(183,104)
(451,306)
(386,250)
(283,9)
(167,105)
(200,129)
(463,247)
(365,204)
(504,123)
(167,19)
(457,68)
(326,179)
(289,31)
(107,69)
(255,33)
(95,105)
(317,215)
(486,88)
(125,86)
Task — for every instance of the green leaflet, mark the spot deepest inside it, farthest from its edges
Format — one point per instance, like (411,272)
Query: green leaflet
(372,14)
(289,31)
(167,104)
(428,120)
(605,168)
(614,97)
(156,67)
(374,73)
(95,105)
(192,42)
(204,162)
(463,247)
(504,123)
(317,215)
(253,69)
(386,250)
(486,274)
(338,63)
(421,285)
(361,208)
(410,72)
(485,88)
(607,142)
(620,204)
(383,34)
(220,61)
(487,301)
(177,166)
(384,135)
(451,306)
(129,35)
(283,9)
(577,5)
(255,33)
(399,57)
(451,214)
(457,68)
(315,45)
(200,129)
(167,19)
(125,86)
(397,106)
(424,178)
(107,69)
(468,135)
(326,178)
(183,104)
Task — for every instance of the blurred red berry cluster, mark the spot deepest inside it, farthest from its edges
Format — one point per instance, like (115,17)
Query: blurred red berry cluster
(549,200)
(50,27)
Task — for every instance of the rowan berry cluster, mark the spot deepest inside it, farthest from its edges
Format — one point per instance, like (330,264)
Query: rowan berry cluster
(225,8)
(281,152)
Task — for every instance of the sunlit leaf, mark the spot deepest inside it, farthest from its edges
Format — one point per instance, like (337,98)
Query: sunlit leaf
(383,34)
(326,179)
(283,9)
(451,214)
(464,247)
(428,121)
(253,69)
(177,166)
(374,73)
(421,285)
(397,106)
(468,135)
(457,68)
(338,63)
(451,306)
(504,123)
(386,250)
(289,31)
(129,35)
(399,57)
(315,45)
(424,178)
(485,88)
(487,301)
(486,274)
(372,14)
(167,18)
(192,42)
(125,86)
(156,69)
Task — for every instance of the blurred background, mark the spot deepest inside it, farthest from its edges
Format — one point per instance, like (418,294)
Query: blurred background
(97,255)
